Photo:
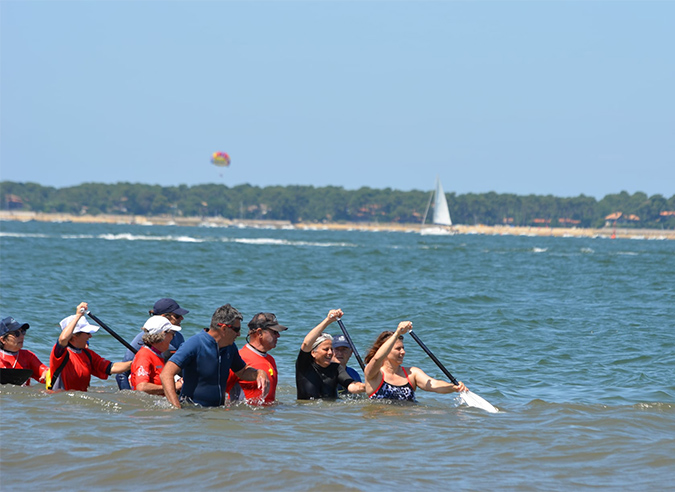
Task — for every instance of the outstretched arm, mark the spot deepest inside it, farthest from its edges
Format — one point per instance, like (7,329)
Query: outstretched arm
(67,332)
(427,383)
(249,373)
(311,337)
(372,370)
(120,367)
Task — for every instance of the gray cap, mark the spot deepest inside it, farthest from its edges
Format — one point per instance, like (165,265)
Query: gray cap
(321,338)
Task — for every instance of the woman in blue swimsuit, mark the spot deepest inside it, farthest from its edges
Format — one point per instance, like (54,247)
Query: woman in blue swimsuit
(387,379)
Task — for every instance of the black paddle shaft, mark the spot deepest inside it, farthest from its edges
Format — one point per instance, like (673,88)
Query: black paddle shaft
(433,357)
(110,330)
(351,344)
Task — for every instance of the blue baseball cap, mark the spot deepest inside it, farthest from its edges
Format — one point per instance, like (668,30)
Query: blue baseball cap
(9,324)
(340,341)
(166,305)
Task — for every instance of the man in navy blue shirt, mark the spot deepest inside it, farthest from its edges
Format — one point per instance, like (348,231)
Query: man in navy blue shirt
(206,359)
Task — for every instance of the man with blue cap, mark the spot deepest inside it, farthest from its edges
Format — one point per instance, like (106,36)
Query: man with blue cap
(14,356)
(343,352)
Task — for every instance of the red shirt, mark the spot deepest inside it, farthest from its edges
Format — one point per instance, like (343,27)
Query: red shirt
(81,365)
(251,392)
(146,367)
(23,359)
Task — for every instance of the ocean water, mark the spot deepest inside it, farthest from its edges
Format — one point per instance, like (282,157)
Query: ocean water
(573,339)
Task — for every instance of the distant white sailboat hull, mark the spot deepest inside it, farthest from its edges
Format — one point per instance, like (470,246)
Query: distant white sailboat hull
(441,223)
(432,230)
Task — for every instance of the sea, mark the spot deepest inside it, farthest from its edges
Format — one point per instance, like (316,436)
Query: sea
(572,339)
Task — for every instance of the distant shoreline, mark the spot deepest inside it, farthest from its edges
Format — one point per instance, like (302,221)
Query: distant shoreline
(22,216)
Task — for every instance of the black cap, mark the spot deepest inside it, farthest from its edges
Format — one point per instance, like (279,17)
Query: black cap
(265,321)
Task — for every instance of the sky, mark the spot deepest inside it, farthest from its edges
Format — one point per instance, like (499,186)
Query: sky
(526,97)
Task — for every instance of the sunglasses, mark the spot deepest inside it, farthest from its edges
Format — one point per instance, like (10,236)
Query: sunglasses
(232,327)
(18,333)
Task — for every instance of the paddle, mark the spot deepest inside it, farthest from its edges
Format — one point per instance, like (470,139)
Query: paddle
(9,375)
(471,399)
(110,330)
(351,344)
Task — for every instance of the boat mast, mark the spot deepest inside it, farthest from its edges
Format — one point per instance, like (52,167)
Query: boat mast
(431,196)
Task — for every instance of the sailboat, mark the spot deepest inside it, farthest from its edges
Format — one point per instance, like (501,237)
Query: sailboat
(441,223)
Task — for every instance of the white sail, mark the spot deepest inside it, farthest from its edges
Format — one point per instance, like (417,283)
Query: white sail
(441,222)
(441,212)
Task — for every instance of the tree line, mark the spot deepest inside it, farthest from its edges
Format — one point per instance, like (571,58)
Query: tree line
(335,204)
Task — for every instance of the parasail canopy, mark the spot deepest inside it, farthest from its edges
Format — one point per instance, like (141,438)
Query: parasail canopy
(220,159)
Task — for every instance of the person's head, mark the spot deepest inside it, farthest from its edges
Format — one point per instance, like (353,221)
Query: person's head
(322,350)
(169,309)
(158,333)
(263,331)
(397,353)
(342,349)
(12,334)
(227,321)
(82,333)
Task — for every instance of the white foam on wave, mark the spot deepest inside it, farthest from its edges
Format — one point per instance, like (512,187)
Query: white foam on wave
(285,242)
(77,236)
(128,237)
(134,237)
(187,239)
(22,234)
(587,250)
(539,250)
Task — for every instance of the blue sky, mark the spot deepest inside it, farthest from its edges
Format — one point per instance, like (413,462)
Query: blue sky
(541,97)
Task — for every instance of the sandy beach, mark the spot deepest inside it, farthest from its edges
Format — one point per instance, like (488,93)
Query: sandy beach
(363,226)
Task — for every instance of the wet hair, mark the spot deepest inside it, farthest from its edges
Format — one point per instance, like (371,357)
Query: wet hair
(226,315)
(150,339)
(381,338)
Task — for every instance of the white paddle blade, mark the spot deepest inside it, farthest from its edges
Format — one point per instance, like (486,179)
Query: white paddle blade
(473,400)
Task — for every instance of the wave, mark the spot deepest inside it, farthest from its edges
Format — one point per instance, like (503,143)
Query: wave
(136,237)
(126,236)
(22,234)
(285,242)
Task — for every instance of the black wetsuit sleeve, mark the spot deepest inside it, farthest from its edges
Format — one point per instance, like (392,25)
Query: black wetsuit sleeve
(304,361)
(343,377)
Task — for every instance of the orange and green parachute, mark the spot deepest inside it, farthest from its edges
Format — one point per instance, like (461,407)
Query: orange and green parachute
(220,159)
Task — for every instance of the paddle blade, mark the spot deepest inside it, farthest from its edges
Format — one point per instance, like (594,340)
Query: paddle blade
(473,400)
(14,376)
